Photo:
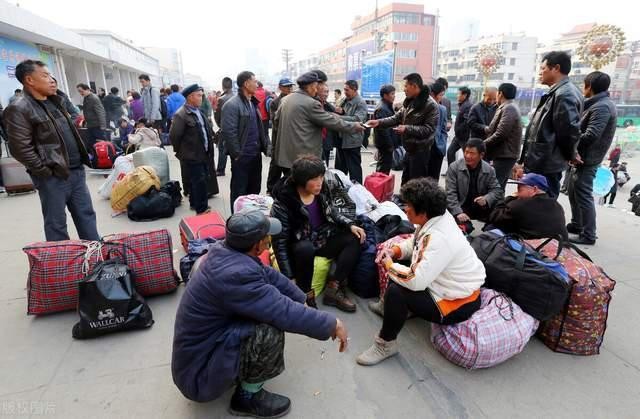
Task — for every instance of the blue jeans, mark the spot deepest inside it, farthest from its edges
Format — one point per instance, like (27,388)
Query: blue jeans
(56,194)
(583,209)
(198,182)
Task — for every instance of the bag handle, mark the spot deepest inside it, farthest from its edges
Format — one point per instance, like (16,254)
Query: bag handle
(197,234)
(561,245)
(93,248)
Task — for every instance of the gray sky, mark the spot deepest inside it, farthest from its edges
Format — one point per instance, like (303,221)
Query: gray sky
(215,37)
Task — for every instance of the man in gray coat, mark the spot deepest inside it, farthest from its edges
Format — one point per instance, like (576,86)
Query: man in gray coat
(94,115)
(300,119)
(151,101)
(504,134)
(597,129)
(472,187)
(354,109)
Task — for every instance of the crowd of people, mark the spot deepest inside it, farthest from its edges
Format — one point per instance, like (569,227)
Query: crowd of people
(232,317)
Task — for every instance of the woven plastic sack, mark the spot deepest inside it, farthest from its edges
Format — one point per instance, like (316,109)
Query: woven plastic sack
(496,332)
(133,185)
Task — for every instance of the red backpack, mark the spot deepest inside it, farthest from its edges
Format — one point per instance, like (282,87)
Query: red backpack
(105,155)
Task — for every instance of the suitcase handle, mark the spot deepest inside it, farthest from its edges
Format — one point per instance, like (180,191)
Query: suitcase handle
(197,235)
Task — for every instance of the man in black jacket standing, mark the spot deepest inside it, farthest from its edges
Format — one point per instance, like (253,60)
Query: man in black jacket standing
(481,114)
(244,138)
(416,124)
(275,172)
(597,129)
(94,115)
(191,135)
(461,126)
(554,130)
(385,138)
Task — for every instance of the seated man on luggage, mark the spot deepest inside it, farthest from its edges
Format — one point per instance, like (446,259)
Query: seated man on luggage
(442,285)
(472,187)
(531,212)
(231,320)
(124,129)
(312,227)
(144,135)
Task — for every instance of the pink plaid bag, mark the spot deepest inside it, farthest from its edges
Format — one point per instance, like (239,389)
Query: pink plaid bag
(495,333)
(383,279)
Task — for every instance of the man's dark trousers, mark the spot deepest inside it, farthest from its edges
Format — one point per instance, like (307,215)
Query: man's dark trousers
(198,185)
(453,148)
(56,194)
(553,180)
(350,162)
(246,177)
(385,160)
(416,165)
(583,209)
(503,168)
(222,156)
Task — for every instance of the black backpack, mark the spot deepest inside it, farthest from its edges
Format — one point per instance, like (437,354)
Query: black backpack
(539,285)
(151,206)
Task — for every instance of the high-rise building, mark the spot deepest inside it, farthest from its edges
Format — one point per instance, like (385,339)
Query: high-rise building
(458,62)
(171,70)
(404,28)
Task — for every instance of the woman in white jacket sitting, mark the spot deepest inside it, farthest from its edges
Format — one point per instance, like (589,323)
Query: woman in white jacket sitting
(442,284)
(144,136)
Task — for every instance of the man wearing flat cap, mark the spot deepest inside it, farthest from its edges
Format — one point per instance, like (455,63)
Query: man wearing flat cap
(300,120)
(191,135)
(230,324)
(531,212)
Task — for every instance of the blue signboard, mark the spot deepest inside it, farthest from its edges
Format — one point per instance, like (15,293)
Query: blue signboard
(355,55)
(13,52)
(377,70)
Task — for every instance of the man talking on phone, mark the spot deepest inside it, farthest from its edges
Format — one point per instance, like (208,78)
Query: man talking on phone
(416,123)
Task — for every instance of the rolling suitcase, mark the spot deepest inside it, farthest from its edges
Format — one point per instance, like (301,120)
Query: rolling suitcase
(201,227)
(14,175)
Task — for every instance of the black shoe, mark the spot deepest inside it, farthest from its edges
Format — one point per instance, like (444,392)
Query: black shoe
(573,228)
(261,405)
(582,240)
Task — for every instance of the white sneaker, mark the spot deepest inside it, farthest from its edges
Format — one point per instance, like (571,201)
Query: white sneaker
(378,352)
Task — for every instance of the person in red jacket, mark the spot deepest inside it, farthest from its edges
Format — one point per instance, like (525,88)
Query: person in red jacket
(261,95)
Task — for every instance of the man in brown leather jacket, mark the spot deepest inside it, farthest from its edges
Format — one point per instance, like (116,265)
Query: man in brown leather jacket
(416,123)
(43,138)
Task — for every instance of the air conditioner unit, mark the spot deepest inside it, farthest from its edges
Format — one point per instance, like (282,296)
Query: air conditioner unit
(47,49)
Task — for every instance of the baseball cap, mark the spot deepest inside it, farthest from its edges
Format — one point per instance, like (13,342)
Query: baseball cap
(533,179)
(285,82)
(246,228)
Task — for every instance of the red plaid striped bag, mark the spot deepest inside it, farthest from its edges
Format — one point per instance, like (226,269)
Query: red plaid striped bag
(579,328)
(149,255)
(383,279)
(493,334)
(55,269)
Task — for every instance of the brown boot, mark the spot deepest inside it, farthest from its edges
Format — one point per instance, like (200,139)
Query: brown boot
(337,297)
(311,299)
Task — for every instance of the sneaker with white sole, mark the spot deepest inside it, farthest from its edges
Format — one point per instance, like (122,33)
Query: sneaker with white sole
(378,352)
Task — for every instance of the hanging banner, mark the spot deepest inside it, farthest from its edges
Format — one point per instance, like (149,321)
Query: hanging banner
(12,52)
(377,70)
(354,59)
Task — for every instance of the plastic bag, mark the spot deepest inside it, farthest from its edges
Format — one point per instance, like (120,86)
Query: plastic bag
(108,302)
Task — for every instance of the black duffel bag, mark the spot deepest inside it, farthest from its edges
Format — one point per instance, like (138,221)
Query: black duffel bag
(151,206)
(108,302)
(173,189)
(539,285)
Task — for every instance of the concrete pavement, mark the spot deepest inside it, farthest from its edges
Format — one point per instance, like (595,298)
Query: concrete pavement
(45,372)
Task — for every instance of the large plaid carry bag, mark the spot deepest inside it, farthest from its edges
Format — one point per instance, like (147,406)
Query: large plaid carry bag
(150,257)
(496,332)
(55,269)
(383,279)
(579,328)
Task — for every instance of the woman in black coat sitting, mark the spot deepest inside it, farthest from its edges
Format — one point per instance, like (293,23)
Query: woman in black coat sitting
(311,227)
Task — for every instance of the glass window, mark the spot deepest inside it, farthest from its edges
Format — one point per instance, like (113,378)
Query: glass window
(511,76)
(512,61)
(428,20)
(514,46)
(406,53)
(405,36)
(406,18)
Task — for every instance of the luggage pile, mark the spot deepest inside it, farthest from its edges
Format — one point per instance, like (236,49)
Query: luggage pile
(57,268)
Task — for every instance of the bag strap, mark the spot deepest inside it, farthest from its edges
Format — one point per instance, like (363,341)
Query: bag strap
(197,234)
(93,249)
(561,245)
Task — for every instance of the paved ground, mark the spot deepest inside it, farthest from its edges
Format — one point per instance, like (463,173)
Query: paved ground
(46,372)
